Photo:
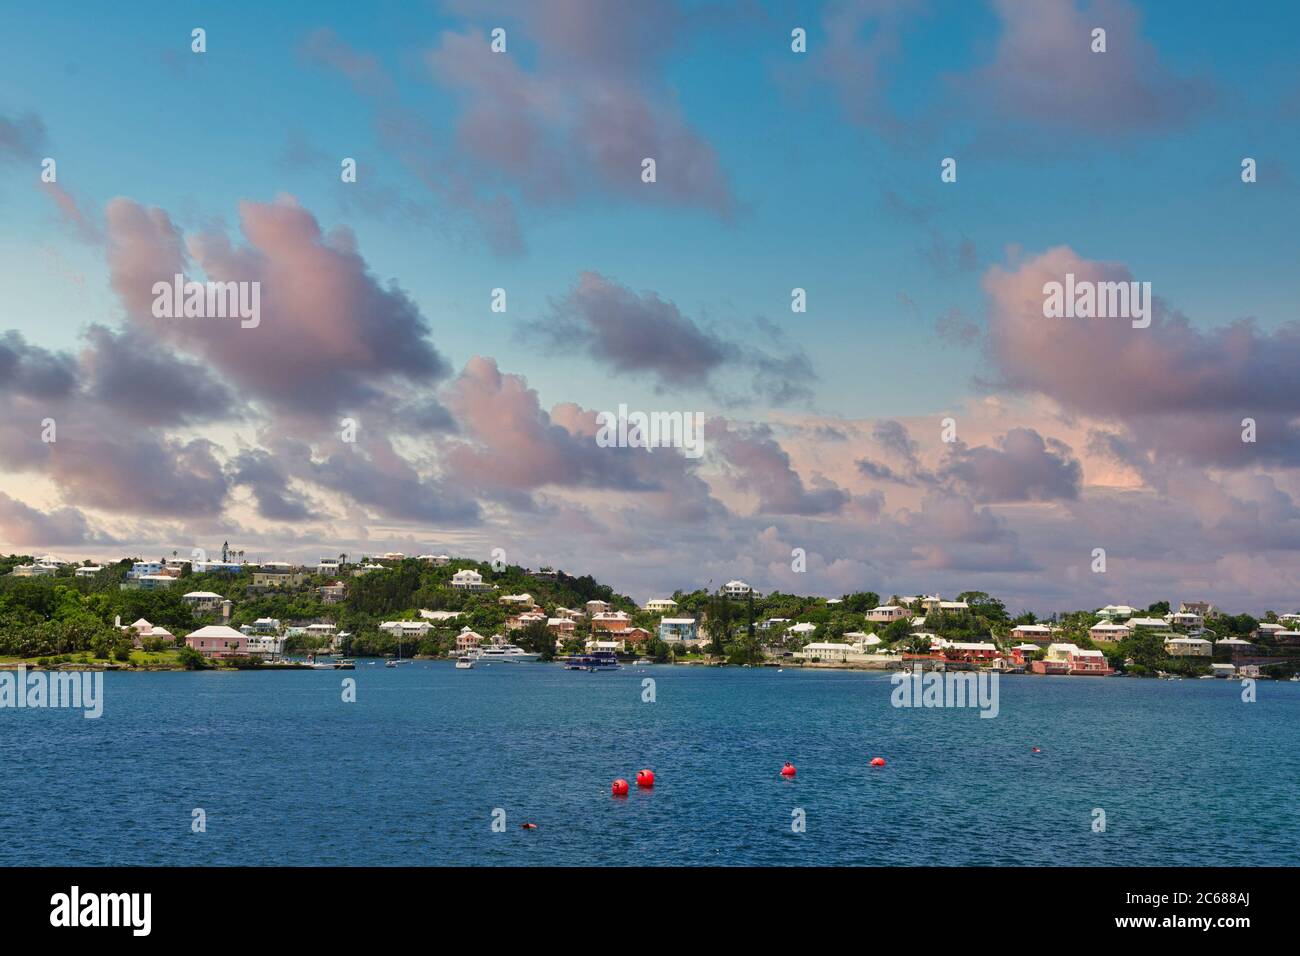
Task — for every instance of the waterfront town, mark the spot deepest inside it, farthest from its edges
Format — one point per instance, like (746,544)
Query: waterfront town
(193,612)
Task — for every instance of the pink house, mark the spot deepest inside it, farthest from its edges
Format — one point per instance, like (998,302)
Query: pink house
(218,641)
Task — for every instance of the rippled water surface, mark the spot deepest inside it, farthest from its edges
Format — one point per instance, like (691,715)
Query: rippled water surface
(411,773)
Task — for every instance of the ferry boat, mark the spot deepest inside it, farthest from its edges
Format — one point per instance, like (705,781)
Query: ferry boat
(505,652)
(595,661)
(464,663)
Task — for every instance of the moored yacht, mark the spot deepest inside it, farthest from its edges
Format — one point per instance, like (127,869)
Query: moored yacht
(504,652)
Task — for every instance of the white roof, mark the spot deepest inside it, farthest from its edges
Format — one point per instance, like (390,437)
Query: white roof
(202,594)
(1109,626)
(1147,622)
(142,623)
(828,646)
(1035,628)
(678,620)
(1025,647)
(219,631)
(1235,640)
(1187,640)
(973,646)
(804,627)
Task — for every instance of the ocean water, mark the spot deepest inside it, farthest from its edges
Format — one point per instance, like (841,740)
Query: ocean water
(412,772)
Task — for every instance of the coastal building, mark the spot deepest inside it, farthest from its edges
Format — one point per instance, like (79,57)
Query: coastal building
(613,647)
(971,651)
(467,640)
(887,614)
(330,567)
(366,569)
(524,599)
(1223,670)
(611,621)
(437,560)
(262,626)
(661,606)
(1188,647)
(773,624)
(560,626)
(737,589)
(141,568)
(596,607)
(1075,659)
(828,652)
(203,602)
(1109,631)
(634,636)
(1267,629)
(1238,647)
(218,642)
(1022,654)
(523,620)
(1186,620)
(1032,632)
(322,631)
(802,629)
(216,567)
(391,556)
(87,571)
(570,613)
(467,579)
(1201,609)
(1286,637)
(405,630)
(675,629)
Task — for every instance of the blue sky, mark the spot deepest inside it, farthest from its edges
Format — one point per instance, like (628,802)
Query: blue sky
(836,185)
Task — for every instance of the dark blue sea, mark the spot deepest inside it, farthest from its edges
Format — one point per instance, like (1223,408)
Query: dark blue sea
(411,773)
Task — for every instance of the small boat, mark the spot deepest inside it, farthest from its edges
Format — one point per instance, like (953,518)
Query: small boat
(319,665)
(345,664)
(390,663)
(464,663)
(641,661)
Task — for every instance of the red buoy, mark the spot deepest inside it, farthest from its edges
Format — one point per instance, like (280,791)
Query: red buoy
(645,778)
(877,761)
(528,826)
(619,787)
(787,770)
(1037,751)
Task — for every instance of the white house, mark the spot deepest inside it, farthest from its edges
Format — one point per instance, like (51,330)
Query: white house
(525,599)
(829,652)
(1113,611)
(672,629)
(736,589)
(405,629)
(1153,622)
(87,571)
(661,606)
(437,560)
(467,579)
(203,601)
(33,570)
(439,617)
(802,628)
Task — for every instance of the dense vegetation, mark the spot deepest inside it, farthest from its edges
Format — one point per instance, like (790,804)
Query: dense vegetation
(62,614)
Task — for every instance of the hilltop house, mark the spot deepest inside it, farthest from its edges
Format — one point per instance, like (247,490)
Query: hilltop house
(203,602)
(332,593)
(87,571)
(661,606)
(887,614)
(467,579)
(596,607)
(737,589)
(1112,611)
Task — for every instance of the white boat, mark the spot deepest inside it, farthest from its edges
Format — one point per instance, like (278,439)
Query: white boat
(505,652)
(463,663)
(640,661)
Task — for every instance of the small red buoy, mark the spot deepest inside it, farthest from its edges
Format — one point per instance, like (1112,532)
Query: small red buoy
(619,787)
(528,826)
(787,770)
(1037,751)
(877,761)
(645,778)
